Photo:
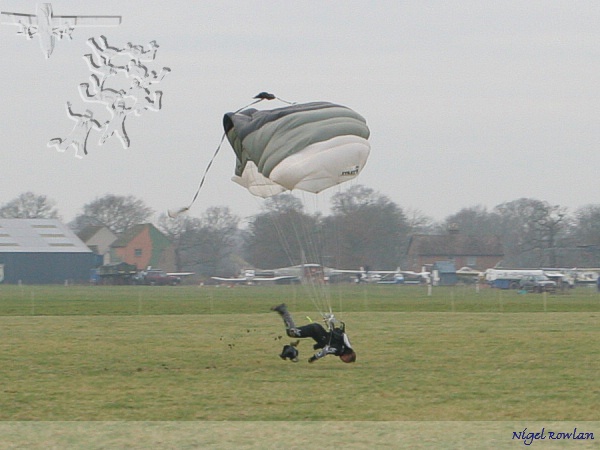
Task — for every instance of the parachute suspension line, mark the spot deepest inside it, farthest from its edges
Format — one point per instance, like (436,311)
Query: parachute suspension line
(173,214)
(296,230)
(310,240)
(280,227)
(294,234)
(277,224)
(336,232)
(259,98)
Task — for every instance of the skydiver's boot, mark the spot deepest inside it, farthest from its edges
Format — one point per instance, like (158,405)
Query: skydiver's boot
(290,326)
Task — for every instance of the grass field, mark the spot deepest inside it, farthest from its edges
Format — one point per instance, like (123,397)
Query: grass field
(192,354)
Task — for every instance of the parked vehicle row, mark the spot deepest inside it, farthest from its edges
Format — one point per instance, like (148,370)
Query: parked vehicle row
(123,273)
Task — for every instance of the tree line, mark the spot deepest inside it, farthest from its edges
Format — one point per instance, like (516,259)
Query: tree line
(364,228)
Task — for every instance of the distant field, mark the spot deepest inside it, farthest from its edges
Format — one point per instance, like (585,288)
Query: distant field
(210,354)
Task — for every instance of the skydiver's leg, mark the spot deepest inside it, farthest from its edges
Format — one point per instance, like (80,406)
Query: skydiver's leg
(154,103)
(164,71)
(97,84)
(55,143)
(290,326)
(78,147)
(89,59)
(122,134)
(312,330)
(109,130)
(60,144)
(84,91)
(94,45)
(315,331)
(104,41)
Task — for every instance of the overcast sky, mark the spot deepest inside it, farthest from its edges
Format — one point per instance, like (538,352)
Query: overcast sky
(469,102)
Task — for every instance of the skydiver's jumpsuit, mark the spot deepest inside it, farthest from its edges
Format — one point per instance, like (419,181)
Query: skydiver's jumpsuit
(334,342)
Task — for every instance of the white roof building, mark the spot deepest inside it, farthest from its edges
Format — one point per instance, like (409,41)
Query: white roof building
(40,251)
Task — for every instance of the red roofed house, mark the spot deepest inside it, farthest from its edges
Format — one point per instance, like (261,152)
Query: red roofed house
(144,246)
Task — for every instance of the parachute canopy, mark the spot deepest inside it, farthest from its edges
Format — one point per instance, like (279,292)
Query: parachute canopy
(310,147)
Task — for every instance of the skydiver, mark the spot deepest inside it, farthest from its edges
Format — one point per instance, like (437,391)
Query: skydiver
(116,125)
(136,52)
(143,101)
(79,135)
(105,96)
(105,70)
(65,31)
(28,30)
(146,78)
(329,342)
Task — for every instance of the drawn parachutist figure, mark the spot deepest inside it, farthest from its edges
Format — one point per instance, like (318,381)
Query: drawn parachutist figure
(28,30)
(146,78)
(116,125)
(64,31)
(106,96)
(144,99)
(79,134)
(135,52)
(103,70)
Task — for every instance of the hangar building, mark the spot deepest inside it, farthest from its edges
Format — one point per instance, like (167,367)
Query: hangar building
(43,251)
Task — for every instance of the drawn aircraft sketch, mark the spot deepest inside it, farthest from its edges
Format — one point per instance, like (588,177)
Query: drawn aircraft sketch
(48,27)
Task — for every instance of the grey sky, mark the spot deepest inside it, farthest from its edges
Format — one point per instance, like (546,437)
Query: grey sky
(468,102)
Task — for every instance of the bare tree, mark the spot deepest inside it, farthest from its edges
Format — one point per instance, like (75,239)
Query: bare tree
(29,206)
(474,221)
(367,229)
(531,229)
(282,234)
(179,230)
(207,245)
(118,213)
(418,222)
(587,225)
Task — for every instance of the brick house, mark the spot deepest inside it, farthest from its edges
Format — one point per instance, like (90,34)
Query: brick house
(477,252)
(143,246)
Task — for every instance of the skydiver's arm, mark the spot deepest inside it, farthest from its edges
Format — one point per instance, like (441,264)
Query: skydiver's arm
(69,110)
(327,350)
(95,124)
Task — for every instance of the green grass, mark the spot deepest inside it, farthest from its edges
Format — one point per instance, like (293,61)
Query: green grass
(191,353)
(194,300)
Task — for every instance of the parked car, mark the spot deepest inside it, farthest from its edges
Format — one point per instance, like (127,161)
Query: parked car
(156,277)
(537,283)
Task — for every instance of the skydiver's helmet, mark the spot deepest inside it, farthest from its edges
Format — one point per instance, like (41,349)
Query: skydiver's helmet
(348,357)
(289,352)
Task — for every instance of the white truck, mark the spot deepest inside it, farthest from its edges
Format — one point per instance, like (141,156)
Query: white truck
(510,278)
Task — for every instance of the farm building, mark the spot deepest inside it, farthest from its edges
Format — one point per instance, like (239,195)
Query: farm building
(43,251)
(144,246)
(477,252)
(98,238)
